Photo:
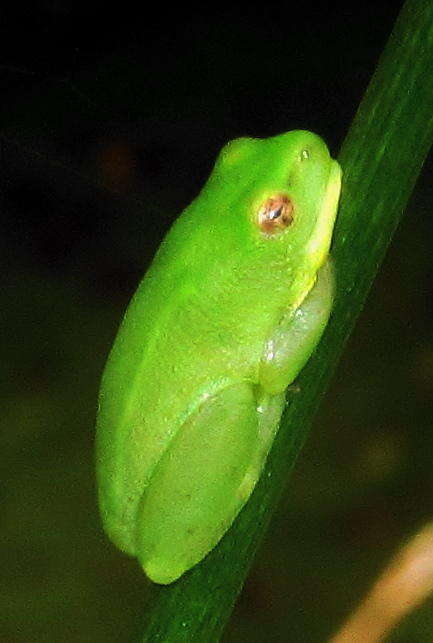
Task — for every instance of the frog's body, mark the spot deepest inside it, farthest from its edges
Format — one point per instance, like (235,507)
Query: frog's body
(223,321)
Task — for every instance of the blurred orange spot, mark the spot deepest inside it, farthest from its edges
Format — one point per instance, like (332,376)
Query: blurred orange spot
(402,586)
(116,164)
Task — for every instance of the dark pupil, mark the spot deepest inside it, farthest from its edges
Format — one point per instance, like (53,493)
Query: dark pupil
(274,214)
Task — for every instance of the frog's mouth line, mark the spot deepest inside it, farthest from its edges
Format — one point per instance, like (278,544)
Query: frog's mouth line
(319,244)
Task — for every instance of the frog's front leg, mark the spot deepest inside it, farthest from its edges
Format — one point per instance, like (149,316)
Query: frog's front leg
(285,354)
(296,336)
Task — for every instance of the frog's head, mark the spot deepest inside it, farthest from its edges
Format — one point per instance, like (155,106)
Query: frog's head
(288,188)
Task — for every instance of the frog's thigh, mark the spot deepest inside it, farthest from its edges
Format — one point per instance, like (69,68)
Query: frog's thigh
(296,336)
(195,494)
(269,409)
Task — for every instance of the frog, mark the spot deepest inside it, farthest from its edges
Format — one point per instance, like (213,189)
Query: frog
(230,310)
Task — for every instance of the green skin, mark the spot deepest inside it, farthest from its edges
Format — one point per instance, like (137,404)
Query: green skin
(223,321)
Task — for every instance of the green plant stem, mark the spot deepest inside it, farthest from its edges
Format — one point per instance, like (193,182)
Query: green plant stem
(381,159)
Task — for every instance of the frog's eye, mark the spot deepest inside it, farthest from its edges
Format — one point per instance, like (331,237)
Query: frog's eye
(275,214)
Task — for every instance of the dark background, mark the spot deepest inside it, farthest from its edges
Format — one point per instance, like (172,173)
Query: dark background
(109,125)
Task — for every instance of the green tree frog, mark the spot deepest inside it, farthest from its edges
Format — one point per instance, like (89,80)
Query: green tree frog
(228,313)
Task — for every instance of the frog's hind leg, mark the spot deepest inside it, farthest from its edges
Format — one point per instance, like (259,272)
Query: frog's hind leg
(193,496)
(269,411)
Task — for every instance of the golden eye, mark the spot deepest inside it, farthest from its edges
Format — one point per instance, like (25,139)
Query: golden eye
(276,213)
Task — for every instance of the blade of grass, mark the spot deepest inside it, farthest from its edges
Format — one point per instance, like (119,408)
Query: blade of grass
(381,159)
